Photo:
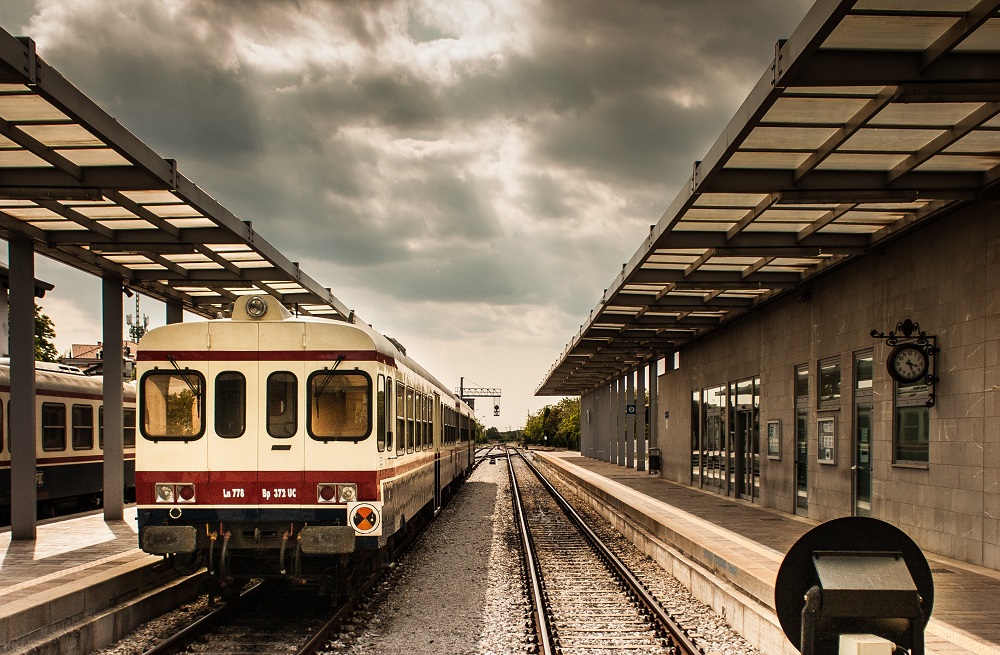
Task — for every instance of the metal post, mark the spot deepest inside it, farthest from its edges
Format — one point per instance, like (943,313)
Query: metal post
(620,424)
(640,432)
(114,457)
(21,407)
(630,421)
(654,408)
(175,312)
(609,421)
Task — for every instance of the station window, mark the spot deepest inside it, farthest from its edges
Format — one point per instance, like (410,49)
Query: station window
(400,417)
(801,455)
(912,424)
(53,426)
(340,405)
(230,404)
(829,383)
(83,427)
(172,404)
(282,404)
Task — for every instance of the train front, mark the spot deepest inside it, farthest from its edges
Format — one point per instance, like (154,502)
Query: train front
(255,453)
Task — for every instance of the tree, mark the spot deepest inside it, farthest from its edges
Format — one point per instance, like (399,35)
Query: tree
(555,425)
(45,332)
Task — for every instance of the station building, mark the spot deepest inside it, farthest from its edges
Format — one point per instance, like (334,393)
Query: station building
(793,406)
(815,319)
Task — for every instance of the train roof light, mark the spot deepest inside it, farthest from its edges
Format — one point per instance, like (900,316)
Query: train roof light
(259,306)
(256,307)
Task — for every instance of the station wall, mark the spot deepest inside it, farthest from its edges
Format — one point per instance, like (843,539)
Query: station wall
(945,491)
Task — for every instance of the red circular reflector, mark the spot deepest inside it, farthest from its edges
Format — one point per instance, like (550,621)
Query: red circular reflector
(186,491)
(327,492)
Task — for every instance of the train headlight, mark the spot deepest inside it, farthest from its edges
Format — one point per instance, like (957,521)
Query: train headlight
(326,493)
(348,493)
(164,493)
(185,493)
(256,307)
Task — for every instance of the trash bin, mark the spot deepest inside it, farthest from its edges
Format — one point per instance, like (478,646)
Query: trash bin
(654,460)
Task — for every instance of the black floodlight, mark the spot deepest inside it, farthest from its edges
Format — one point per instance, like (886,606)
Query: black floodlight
(854,575)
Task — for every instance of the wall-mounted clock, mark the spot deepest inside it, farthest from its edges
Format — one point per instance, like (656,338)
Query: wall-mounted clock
(907,363)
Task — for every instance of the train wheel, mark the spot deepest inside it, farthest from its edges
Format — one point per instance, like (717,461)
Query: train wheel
(185,563)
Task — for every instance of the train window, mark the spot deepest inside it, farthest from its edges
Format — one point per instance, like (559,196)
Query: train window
(53,426)
(380,417)
(400,418)
(172,404)
(340,405)
(409,420)
(282,405)
(230,404)
(128,427)
(83,427)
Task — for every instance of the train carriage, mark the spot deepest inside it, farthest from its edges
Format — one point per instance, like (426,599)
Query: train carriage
(274,445)
(69,439)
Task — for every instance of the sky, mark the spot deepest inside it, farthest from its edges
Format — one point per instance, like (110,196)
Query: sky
(468,175)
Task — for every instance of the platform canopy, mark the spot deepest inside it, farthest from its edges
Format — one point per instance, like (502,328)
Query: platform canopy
(90,194)
(876,116)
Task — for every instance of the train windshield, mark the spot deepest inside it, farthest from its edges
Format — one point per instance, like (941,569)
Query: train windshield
(173,405)
(340,405)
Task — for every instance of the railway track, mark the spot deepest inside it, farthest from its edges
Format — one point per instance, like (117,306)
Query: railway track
(265,619)
(586,600)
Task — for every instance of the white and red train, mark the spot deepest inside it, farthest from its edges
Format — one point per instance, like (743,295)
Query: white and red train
(273,445)
(69,439)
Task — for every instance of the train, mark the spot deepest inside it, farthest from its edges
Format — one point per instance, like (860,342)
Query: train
(69,439)
(280,446)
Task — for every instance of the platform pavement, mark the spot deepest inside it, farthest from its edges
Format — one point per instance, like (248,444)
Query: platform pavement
(54,579)
(745,544)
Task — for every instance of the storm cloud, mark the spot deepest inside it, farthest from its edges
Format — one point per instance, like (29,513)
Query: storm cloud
(467,175)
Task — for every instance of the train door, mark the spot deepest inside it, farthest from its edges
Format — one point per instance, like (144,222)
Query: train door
(232,423)
(282,403)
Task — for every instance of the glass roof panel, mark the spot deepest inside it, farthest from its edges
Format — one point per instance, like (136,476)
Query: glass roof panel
(788,138)
(104,211)
(178,210)
(729,199)
(715,214)
(151,196)
(960,163)
(888,32)
(769,160)
(184,223)
(33,108)
(861,162)
(977,141)
(135,224)
(937,114)
(985,39)
(890,140)
(52,226)
(63,135)
(21,159)
(815,111)
(32,212)
(95,157)
(956,6)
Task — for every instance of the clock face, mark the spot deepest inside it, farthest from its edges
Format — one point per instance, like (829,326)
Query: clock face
(907,363)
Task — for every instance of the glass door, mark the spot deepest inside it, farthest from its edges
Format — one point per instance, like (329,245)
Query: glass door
(862,469)
(862,459)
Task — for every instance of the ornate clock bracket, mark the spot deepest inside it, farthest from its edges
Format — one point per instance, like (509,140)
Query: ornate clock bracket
(908,333)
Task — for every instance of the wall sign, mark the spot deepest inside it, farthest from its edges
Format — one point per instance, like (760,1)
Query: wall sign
(774,439)
(827,432)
